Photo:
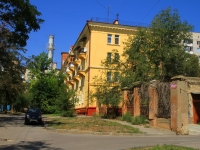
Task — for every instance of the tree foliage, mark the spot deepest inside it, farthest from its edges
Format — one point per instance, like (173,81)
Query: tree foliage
(39,65)
(17,20)
(106,90)
(20,18)
(48,88)
(157,52)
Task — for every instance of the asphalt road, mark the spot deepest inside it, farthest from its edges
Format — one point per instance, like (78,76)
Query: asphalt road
(14,135)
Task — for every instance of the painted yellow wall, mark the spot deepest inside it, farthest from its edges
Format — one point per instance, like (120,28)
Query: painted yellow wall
(97,48)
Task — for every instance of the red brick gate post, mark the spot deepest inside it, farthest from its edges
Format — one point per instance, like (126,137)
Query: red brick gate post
(137,101)
(153,106)
(125,99)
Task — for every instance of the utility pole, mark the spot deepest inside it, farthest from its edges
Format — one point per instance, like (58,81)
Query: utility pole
(108,13)
(117,16)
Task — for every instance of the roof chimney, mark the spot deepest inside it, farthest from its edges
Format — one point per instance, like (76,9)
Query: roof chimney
(115,22)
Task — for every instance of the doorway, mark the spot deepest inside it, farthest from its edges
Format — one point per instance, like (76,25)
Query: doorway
(196,107)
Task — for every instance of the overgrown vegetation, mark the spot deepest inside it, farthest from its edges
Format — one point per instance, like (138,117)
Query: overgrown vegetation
(137,120)
(127,117)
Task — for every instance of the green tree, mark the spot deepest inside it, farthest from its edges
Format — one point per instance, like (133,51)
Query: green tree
(106,90)
(11,83)
(157,52)
(38,66)
(17,20)
(167,52)
(106,93)
(48,87)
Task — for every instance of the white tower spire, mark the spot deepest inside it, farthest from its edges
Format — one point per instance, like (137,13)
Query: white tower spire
(51,48)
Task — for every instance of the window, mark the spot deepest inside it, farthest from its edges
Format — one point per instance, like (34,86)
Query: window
(188,41)
(77,83)
(82,81)
(109,76)
(116,39)
(109,39)
(116,76)
(198,43)
(109,57)
(116,58)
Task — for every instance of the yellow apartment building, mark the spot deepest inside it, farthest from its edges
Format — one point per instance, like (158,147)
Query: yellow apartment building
(83,62)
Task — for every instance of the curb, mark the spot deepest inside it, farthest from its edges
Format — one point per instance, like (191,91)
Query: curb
(74,131)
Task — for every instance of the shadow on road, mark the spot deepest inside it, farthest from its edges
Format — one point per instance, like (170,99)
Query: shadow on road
(6,120)
(14,121)
(24,145)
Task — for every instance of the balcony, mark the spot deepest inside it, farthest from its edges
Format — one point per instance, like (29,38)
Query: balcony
(82,41)
(71,81)
(81,70)
(81,55)
(77,77)
(71,67)
(68,71)
(77,62)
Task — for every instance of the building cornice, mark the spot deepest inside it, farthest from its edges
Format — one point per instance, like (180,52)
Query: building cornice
(112,26)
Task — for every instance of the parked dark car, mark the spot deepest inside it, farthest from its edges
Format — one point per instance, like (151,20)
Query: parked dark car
(33,115)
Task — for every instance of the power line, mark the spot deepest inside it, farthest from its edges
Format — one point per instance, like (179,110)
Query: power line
(63,13)
(104,7)
(123,6)
(150,11)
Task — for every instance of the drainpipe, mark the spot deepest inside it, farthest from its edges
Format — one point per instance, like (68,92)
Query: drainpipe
(89,62)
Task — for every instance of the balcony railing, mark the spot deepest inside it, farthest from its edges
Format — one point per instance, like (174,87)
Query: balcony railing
(76,77)
(81,70)
(71,67)
(77,62)
(120,22)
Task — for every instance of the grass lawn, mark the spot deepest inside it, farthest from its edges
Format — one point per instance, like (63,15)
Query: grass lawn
(162,147)
(90,124)
(51,115)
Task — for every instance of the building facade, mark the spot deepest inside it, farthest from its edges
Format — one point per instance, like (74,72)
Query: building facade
(95,43)
(192,45)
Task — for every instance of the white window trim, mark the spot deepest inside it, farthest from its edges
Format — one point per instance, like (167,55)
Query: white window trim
(118,39)
(109,35)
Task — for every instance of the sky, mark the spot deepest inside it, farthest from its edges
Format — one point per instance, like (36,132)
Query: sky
(65,19)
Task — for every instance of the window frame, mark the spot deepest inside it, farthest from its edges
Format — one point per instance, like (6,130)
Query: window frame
(116,77)
(116,39)
(109,39)
(116,57)
(109,76)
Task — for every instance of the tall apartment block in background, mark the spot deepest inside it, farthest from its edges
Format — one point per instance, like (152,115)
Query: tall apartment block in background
(192,45)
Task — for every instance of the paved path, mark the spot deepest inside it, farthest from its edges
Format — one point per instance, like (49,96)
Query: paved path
(149,131)
(15,136)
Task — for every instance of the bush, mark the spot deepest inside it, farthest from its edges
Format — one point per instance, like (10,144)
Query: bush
(139,120)
(94,115)
(127,117)
(68,113)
